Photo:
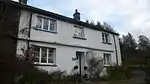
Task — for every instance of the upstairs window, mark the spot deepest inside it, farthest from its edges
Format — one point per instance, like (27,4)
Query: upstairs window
(105,37)
(79,32)
(107,59)
(44,55)
(46,24)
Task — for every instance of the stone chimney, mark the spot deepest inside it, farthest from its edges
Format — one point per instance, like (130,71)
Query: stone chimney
(23,1)
(76,15)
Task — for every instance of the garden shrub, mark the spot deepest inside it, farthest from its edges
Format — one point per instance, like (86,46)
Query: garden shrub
(118,73)
(146,69)
(74,78)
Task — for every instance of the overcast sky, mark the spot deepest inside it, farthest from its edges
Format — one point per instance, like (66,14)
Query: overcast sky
(123,15)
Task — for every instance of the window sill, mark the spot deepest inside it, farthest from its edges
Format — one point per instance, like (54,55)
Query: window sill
(108,65)
(45,30)
(79,38)
(45,64)
(107,43)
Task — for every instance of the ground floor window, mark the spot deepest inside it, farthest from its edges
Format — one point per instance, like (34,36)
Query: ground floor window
(107,59)
(44,55)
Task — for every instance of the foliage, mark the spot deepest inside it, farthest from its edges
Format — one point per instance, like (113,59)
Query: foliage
(87,21)
(58,75)
(147,71)
(74,78)
(10,65)
(143,43)
(98,24)
(95,65)
(136,54)
(128,47)
(92,22)
(118,73)
(128,42)
(107,27)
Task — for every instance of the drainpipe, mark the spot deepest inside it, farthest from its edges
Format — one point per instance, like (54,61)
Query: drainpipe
(115,49)
(29,34)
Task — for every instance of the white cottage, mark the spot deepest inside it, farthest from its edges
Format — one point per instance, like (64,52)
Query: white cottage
(60,42)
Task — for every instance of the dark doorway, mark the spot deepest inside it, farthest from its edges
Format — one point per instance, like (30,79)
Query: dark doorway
(79,56)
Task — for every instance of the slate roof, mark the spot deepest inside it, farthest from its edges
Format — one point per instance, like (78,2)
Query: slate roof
(59,17)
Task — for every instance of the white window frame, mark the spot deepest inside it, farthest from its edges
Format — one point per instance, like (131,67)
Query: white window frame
(49,20)
(40,55)
(104,37)
(78,27)
(106,61)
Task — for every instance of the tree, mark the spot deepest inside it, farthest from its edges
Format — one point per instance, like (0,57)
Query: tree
(9,20)
(99,24)
(128,43)
(92,22)
(87,21)
(143,43)
(107,27)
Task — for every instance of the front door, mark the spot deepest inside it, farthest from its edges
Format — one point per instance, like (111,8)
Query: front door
(80,56)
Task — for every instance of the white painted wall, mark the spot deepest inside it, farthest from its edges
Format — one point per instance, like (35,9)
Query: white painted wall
(64,35)
(64,57)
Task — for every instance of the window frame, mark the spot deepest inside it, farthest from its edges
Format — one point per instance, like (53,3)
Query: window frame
(104,38)
(42,24)
(79,37)
(105,55)
(47,56)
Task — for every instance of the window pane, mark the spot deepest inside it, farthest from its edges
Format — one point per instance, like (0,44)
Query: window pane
(44,55)
(103,37)
(45,26)
(51,55)
(51,58)
(106,37)
(76,32)
(79,32)
(36,53)
(109,59)
(51,50)
(52,25)
(39,22)
(104,59)
(44,60)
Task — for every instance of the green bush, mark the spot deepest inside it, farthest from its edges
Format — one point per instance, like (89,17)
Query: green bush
(146,69)
(118,73)
(74,78)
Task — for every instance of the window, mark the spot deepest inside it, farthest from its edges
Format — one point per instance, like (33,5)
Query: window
(44,55)
(39,22)
(36,51)
(79,32)
(52,25)
(105,38)
(46,24)
(107,59)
